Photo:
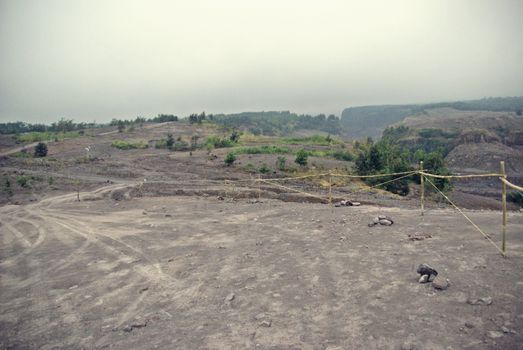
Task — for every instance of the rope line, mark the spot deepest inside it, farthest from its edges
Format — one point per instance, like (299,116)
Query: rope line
(293,189)
(412,172)
(375,175)
(510,184)
(458,176)
(380,184)
(466,217)
(297,177)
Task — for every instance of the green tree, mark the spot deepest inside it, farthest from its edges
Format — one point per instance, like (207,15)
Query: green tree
(193,118)
(264,169)
(40,150)
(301,157)
(435,163)
(280,163)
(194,141)
(384,157)
(169,143)
(121,126)
(230,159)
(235,136)
(7,187)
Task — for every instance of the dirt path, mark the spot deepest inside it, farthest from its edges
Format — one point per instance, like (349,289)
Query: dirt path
(19,149)
(144,273)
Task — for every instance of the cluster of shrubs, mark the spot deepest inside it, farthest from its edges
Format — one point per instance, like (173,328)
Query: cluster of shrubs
(125,145)
(385,157)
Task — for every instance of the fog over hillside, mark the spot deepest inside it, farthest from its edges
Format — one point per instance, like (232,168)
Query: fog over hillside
(95,60)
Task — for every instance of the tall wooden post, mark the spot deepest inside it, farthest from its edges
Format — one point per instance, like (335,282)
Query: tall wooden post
(259,187)
(503,207)
(422,182)
(330,188)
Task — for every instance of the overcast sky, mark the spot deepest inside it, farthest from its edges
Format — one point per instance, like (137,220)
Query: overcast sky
(99,59)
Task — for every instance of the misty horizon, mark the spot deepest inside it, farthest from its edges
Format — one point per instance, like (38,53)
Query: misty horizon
(98,60)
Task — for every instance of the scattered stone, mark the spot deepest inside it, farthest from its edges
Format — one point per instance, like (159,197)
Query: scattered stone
(266,323)
(375,221)
(346,203)
(426,269)
(469,325)
(440,283)
(382,220)
(385,222)
(136,324)
(221,247)
(144,212)
(144,289)
(220,198)
(419,236)
(424,279)
(168,215)
(230,297)
(170,260)
(494,334)
(480,301)
(409,346)
(73,287)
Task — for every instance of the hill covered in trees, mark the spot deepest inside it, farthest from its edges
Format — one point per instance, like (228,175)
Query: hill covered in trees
(372,120)
(275,123)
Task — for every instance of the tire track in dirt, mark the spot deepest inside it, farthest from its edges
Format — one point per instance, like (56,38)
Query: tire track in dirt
(98,238)
(17,234)
(43,220)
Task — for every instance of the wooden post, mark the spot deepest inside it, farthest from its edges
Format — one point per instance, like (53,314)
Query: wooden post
(330,188)
(259,187)
(422,182)
(503,207)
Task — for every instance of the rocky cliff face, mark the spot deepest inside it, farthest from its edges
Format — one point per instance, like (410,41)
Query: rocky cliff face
(514,138)
(478,136)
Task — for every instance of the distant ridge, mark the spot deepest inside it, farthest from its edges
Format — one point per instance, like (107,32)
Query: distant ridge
(372,120)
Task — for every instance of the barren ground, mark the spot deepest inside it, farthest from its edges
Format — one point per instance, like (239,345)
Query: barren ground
(201,273)
(152,258)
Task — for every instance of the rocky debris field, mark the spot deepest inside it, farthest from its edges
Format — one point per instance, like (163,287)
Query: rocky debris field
(178,272)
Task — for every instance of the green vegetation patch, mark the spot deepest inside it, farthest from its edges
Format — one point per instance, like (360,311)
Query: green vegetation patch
(310,140)
(218,142)
(38,136)
(516,197)
(129,145)
(438,133)
(262,150)
(26,181)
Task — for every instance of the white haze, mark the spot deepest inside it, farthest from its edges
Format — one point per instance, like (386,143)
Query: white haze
(99,59)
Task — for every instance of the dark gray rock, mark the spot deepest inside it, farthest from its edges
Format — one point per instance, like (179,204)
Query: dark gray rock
(426,269)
